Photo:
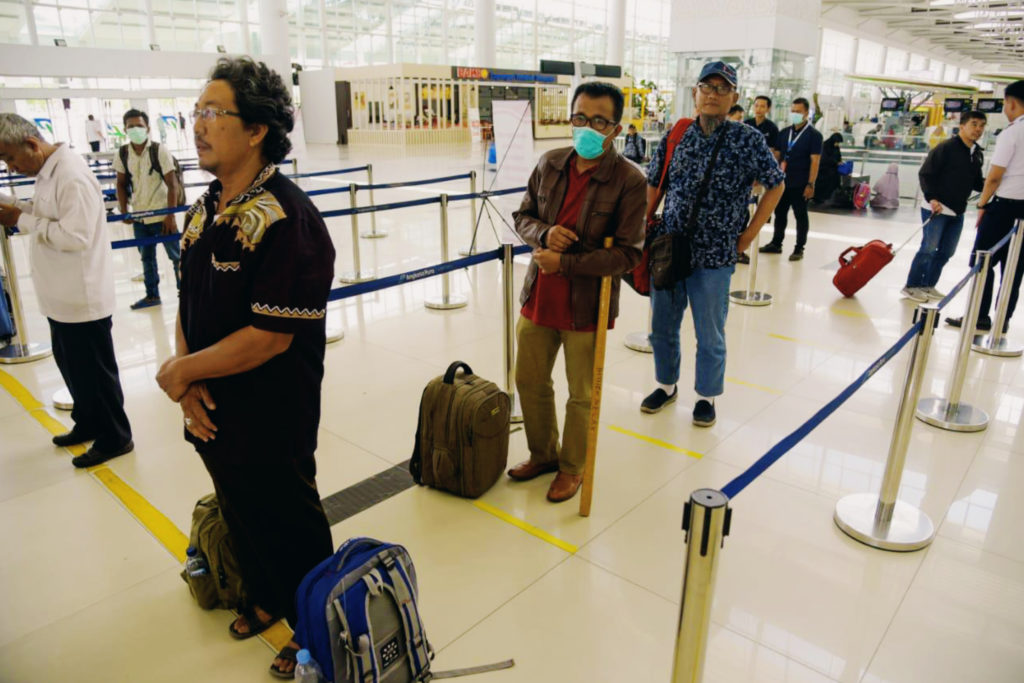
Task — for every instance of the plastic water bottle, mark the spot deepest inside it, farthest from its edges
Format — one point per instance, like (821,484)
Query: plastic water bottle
(306,668)
(195,564)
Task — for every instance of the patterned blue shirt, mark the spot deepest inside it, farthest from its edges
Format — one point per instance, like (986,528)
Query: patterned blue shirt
(743,158)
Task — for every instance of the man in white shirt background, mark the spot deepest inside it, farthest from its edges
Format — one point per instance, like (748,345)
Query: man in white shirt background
(148,186)
(1002,204)
(72,266)
(94,133)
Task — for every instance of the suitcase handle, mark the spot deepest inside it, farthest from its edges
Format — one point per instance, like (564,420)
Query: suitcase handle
(449,374)
(842,260)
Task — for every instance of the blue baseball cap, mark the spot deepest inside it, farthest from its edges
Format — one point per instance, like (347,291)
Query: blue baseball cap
(718,69)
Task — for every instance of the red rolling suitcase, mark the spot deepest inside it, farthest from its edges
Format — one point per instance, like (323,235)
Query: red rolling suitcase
(856,271)
(865,263)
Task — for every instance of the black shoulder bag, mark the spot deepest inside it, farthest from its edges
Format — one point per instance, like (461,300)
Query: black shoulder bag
(672,253)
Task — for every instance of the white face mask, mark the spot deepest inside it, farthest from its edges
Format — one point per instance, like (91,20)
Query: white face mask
(796,118)
(138,135)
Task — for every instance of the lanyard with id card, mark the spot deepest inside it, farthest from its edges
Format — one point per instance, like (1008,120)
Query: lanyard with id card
(791,143)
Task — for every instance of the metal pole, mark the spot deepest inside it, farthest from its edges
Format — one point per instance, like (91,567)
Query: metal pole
(447,301)
(994,343)
(751,297)
(295,166)
(882,521)
(358,274)
(373,216)
(951,414)
(706,520)
(471,249)
(507,277)
(20,350)
(641,341)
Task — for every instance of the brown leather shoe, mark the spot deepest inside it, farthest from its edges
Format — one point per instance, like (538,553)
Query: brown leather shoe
(525,471)
(564,487)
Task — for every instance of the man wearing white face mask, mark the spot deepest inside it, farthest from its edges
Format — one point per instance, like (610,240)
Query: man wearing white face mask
(798,149)
(146,179)
(576,197)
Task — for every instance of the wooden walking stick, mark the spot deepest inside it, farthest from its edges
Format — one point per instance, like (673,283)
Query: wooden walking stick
(600,340)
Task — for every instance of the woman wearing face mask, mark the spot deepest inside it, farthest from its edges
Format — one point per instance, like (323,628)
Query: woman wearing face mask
(798,149)
(146,180)
(576,197)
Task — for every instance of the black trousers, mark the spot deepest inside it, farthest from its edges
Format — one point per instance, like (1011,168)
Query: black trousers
(95,145)
(276,522)
(792,197)
(1000,216)
(85,357)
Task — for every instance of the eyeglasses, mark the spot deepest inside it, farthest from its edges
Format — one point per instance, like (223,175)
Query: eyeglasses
(598,123)
(210,113)
(708,88)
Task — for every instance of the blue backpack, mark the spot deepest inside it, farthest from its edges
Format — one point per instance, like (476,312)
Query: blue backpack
(358,617)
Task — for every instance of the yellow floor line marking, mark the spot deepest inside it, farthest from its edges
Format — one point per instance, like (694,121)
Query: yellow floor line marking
(656,442)
(528,528)
(733,380)
(799,341)
(850,314)
(162,528)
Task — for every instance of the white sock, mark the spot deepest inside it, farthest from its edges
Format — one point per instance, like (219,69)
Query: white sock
(668,388)
(709,399)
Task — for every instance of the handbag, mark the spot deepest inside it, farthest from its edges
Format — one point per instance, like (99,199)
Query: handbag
(672,253)
(639,279)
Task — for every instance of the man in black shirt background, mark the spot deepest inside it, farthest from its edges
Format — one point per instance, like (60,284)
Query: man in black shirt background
(798,149)
(762,105)
(949,173)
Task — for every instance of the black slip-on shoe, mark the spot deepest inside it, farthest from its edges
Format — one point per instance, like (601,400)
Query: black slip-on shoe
(94,456)
(72,438)
(704,413)
(658,400)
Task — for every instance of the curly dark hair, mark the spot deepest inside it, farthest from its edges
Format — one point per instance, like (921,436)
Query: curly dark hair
(261,96)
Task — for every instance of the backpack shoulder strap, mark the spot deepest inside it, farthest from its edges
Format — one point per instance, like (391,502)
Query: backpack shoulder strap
(154,159)
(122,153)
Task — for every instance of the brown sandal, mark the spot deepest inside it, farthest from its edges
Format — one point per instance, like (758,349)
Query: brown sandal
(287,653)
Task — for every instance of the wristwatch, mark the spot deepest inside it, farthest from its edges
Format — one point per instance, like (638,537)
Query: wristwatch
(810,185)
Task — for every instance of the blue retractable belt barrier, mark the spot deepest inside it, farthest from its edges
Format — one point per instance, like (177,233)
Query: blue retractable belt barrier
(419,274)
(380,207)
(784,446)
(960,285)
(411,183)
(116,218)
(145,241)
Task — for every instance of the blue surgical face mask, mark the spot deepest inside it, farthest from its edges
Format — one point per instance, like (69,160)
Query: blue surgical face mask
(796,118)
(138,135)
(587,142)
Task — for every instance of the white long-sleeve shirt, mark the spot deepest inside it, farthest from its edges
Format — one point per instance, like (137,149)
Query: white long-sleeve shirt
(72,262)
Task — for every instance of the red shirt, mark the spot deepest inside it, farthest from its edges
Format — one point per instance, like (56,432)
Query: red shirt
(550,302)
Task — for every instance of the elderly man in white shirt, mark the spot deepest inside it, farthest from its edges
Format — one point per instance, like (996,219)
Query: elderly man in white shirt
(71,270)
(1001,205)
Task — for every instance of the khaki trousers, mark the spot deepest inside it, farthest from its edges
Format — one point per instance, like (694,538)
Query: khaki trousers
(537,348)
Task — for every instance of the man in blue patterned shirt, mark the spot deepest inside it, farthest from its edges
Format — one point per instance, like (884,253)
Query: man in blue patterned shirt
(721,230)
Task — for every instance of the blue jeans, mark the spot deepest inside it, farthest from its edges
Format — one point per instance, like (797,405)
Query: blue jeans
(150,273)
(938,243)
(706,291)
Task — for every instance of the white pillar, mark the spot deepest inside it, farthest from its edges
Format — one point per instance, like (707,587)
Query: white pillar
(274,38)
(616,53)
(243,16)
(848,86)
(323,33)
(483,18)
(30,23)
(150,23)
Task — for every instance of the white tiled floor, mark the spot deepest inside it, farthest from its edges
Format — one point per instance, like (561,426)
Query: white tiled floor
(88,595)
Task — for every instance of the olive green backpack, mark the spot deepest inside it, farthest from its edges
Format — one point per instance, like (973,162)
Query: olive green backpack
(221,587)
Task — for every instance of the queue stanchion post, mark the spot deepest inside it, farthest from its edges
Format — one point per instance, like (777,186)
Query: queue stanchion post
(641,341)
(447,300)
(881,521)
(950,413)
(706,521)
(750,296)
(597,384)
(995,343)
(508,305)
(372,234)
(471,249)
(295,166)
(20,350)
(357,274)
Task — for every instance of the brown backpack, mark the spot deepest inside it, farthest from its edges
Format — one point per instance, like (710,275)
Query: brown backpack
(462,435)
(221,587)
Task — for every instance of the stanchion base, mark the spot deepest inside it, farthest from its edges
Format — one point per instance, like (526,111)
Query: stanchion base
(1005,347)
(638,341)
(62,400)
(909,530)
(335,336)
(373,235)
(351,278)
(966,418)
(446,303)
(23,353)
(745,298)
